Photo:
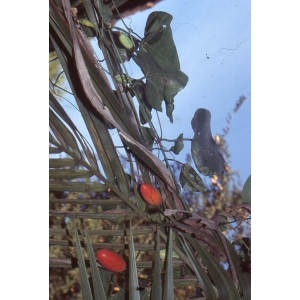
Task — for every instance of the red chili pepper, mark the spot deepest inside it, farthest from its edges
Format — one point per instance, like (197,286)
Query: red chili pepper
(150,194)
(111,260)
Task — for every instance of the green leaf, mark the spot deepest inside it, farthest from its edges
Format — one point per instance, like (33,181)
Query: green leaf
(87,23)
(178,145)
(168,286)
(61,131)
(190,180)
(126,41)
(163,82)
(133,276)
(62,163)
(223,282)
(83,275)
(149,135)
(244,277)
(69,174)
(246,193)
(77,186)
(98,287)
(200,274)
(205,152)
(158,60)
(156,291)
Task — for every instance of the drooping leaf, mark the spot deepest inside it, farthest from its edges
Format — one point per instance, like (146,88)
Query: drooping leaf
(162,82)
(156,291)
(159,62)
(205,152)
(190,180)
(246,193)
(178,145)
(168,286)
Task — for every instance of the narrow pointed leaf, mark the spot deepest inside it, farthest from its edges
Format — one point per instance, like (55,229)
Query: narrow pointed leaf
(77,186)
(68,137)
(156,290)
(84,281)
(168,286)
(223,282)
(62,163)
(99,291)
(69,174)
(133,276)
(201,275)
(244,276)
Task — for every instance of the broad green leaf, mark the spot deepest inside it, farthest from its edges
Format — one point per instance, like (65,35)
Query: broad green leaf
(83,275)
(98,287)
(190,180)
(246,193)
(156,291)
(133,276)
(168,285)
(162,82)
(178,145)
(205,152)
(158,60)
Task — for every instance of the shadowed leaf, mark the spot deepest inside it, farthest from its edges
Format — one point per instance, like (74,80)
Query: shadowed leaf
(190,180)
(205,152)
(178,145)
(246,193)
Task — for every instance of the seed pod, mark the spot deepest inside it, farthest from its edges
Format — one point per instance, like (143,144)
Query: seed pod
(150,194)
(111,260)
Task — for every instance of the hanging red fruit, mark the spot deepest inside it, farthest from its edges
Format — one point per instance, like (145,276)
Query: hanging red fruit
(111,260)
(150,194)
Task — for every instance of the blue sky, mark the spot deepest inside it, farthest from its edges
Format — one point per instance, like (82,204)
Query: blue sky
(202,29)
(213,45)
